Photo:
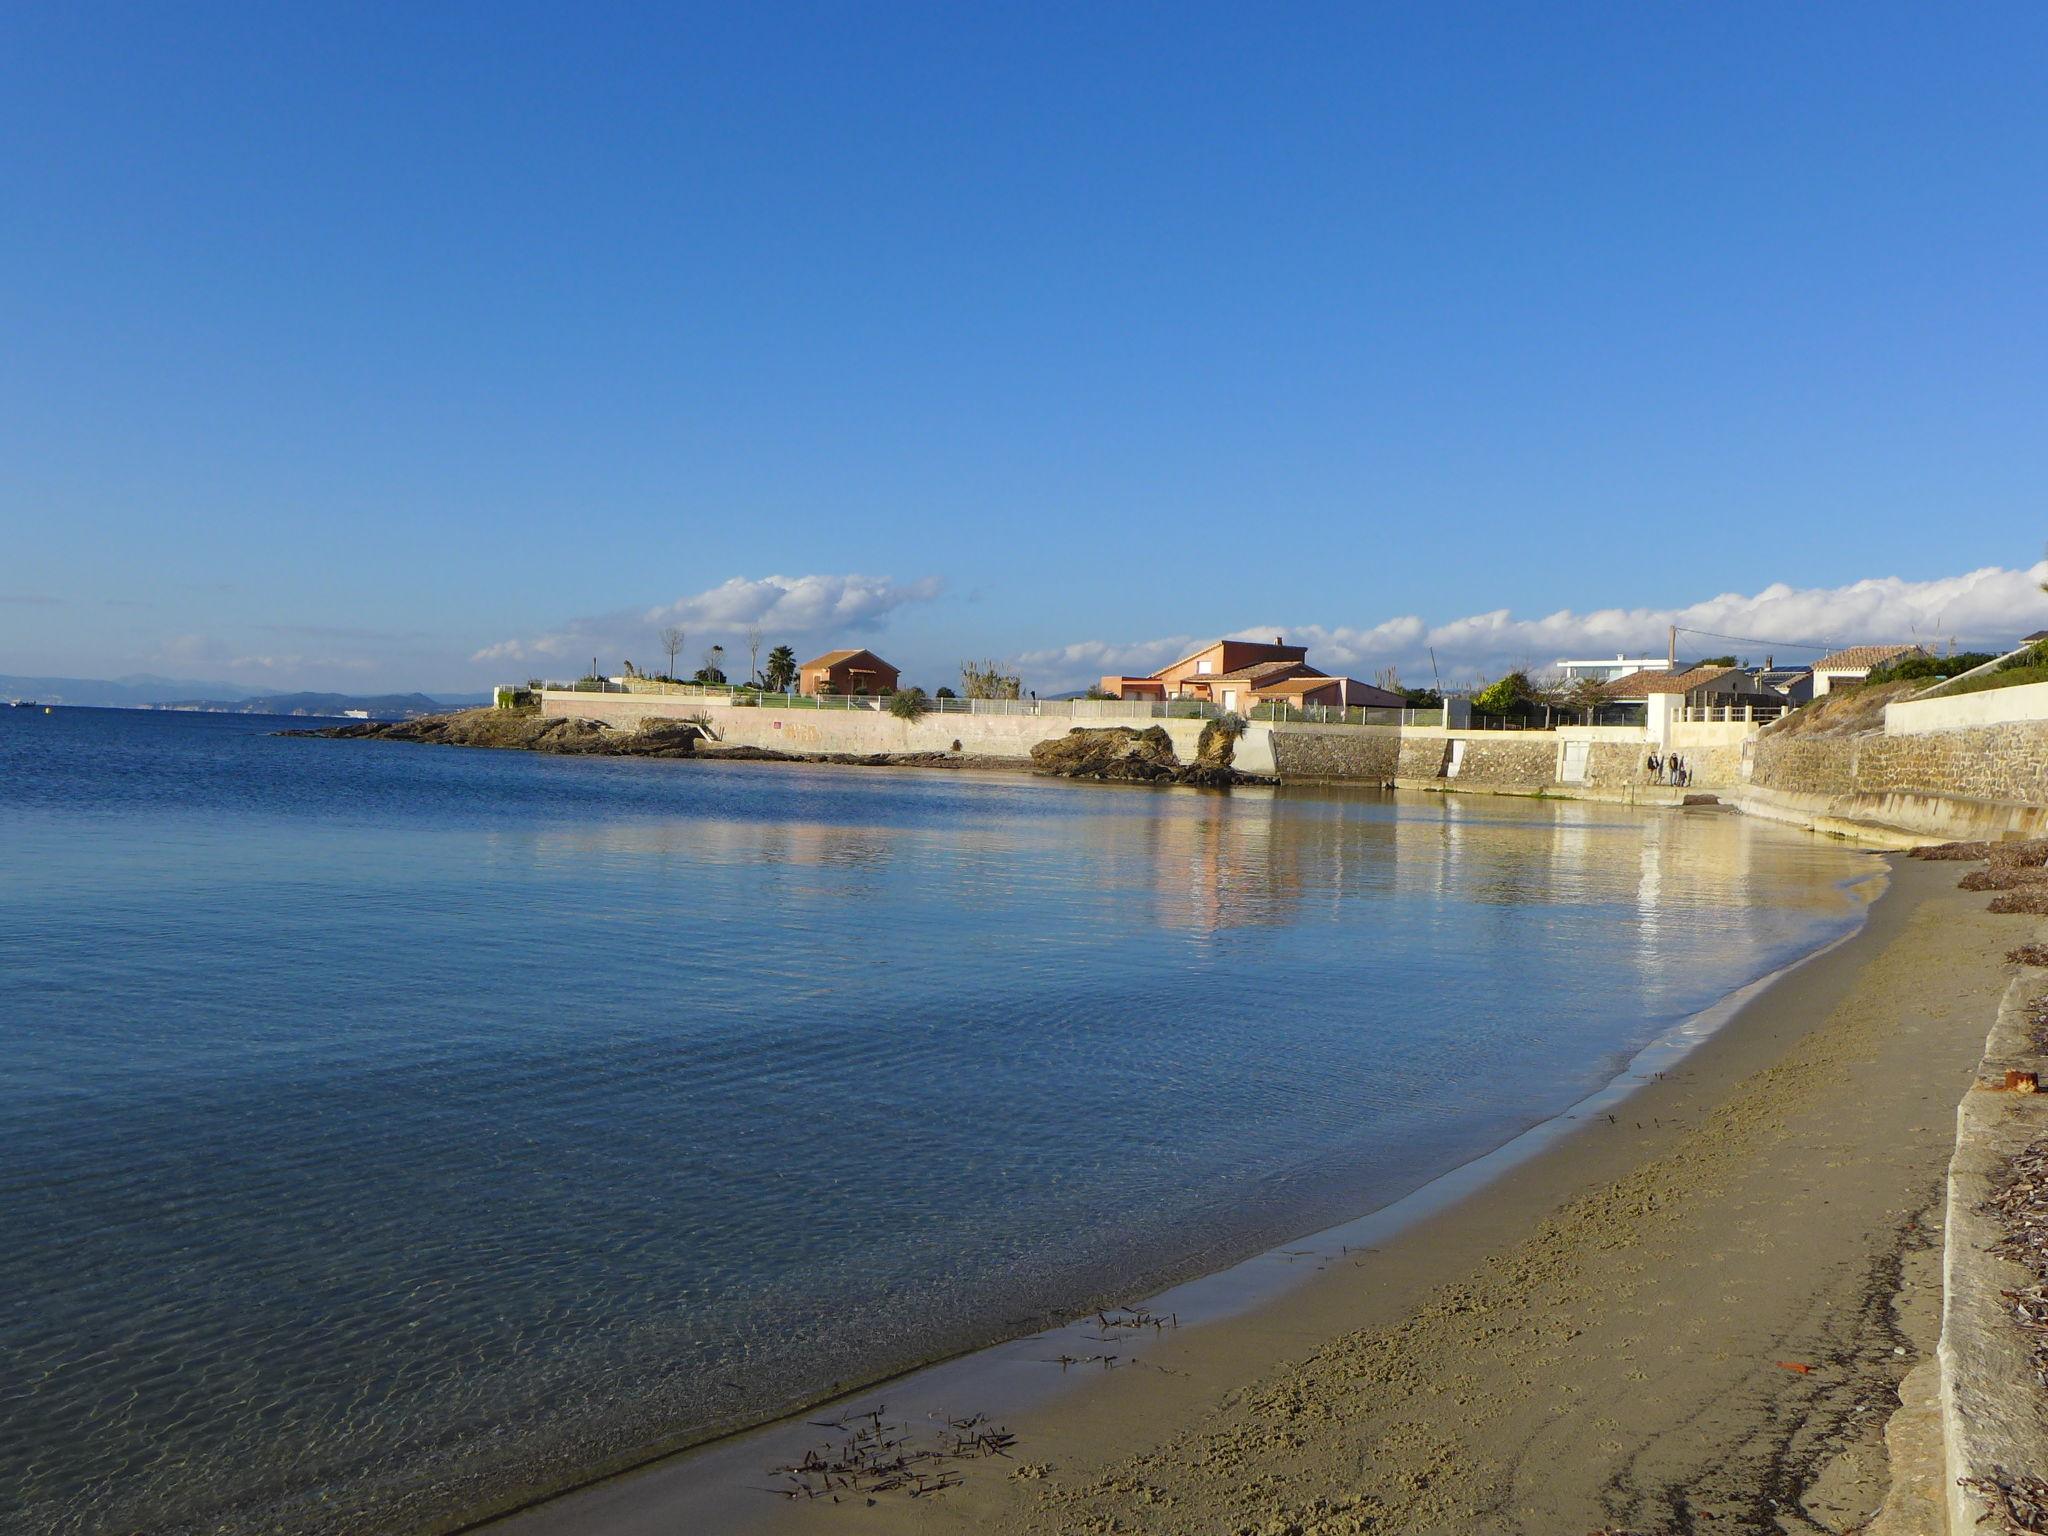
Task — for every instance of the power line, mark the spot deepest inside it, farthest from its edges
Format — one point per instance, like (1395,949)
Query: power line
(1795,645)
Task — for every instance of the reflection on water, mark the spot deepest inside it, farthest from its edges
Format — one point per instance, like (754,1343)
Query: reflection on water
(393,1126)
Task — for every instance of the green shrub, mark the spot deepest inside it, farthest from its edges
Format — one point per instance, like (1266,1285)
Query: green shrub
(1508,696)
(909,704)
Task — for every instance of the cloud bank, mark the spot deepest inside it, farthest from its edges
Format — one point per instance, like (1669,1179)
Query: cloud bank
(789,607)
(1982,609)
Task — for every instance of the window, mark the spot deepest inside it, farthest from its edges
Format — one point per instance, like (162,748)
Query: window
(1205,667)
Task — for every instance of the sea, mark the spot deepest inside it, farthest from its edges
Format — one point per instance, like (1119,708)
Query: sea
(387,1131)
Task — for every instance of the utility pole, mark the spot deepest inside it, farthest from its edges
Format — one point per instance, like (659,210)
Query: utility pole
(1671,648)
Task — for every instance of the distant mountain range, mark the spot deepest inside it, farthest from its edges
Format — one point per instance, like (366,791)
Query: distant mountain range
(380,706)
(143,691)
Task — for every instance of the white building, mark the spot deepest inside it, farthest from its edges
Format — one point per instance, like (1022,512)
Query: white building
(1853,665)
(1604,671)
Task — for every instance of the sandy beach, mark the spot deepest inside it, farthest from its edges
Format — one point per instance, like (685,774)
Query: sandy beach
(1691,1316)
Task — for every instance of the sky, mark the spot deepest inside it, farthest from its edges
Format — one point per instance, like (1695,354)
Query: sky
(393,346)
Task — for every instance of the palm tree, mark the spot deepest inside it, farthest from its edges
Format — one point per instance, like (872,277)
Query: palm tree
(781,672)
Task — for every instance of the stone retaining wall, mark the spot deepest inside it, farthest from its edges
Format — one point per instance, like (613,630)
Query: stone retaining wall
(1369,754)
(1977,782)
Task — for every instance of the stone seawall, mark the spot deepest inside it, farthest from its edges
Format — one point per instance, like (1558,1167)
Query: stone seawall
(1984,781)
(1368,754)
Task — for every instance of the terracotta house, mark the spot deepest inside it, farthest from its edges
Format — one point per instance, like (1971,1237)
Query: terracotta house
(1237,674)
(859,672)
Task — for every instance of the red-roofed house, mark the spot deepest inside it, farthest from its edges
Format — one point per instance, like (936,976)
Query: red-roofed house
(846,672)
(1237,674)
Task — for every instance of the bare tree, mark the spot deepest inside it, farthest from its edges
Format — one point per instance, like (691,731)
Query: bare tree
(672,641)
(753,653)
(988,680)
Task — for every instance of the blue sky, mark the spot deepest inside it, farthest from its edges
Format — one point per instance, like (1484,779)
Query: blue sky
(393,346)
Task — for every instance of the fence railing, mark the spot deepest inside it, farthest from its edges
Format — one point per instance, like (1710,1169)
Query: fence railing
(1731,714)
(1064,709)
(1342,714)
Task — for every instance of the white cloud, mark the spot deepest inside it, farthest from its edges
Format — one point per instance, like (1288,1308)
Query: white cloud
(800,604)
(788,607)
(1982,609)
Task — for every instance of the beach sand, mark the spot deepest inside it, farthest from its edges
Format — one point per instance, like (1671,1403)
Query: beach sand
(1693,1317)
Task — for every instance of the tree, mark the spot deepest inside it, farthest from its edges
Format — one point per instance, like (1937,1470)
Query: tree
(1716,661)
(1584,694)
(945,693)
(753,653)
(1506,696)
(988,680)
(712,671)
(908,704)
(672,641)
(781,674)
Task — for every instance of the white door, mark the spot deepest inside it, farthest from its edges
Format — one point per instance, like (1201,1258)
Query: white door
(1571,767)
(1230,698)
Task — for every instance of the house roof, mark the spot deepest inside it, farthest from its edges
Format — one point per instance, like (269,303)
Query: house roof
(1355,693)
(1306,684)
(1275,645)
(1259,669)
(834,658)
(1864,656)
(1640,685)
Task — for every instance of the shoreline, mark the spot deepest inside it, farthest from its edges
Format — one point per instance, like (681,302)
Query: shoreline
(1254,1311)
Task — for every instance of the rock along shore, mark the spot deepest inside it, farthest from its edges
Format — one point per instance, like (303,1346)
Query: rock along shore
(1114,754)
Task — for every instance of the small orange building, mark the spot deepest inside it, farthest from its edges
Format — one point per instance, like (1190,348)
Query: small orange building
(859,672)
(1237,674)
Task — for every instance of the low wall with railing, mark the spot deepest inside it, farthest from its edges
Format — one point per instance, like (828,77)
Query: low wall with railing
(864,732)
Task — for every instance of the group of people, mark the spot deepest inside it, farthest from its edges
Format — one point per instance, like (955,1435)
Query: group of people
(1669,770)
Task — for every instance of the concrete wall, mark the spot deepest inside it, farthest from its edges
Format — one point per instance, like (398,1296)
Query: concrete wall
(865,731)
(1993,706)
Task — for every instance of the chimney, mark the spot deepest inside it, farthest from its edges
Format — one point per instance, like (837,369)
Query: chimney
(1279,639)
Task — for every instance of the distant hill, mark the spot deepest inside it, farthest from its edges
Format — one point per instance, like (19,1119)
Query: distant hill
(117,693)
(381,706)
(141,691)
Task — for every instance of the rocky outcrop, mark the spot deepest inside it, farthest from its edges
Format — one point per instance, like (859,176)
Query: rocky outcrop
(525,732)
(1120,753)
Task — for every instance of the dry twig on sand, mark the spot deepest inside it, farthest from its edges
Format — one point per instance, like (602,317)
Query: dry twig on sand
(2019,1504)
(877,1457)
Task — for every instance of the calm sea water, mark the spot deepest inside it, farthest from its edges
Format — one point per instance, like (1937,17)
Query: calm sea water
(384,1128)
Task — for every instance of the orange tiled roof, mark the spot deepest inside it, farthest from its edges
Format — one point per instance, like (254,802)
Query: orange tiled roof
(1640,685)
(1259,669)
(1865,656)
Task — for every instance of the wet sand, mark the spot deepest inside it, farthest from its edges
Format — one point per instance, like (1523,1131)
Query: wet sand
(1602,1339)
